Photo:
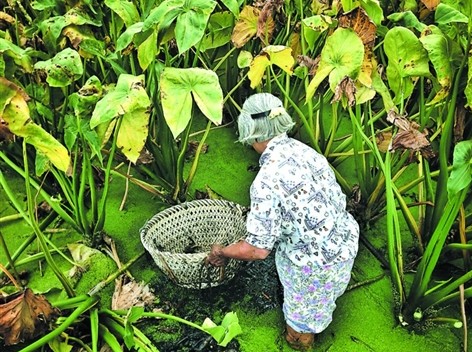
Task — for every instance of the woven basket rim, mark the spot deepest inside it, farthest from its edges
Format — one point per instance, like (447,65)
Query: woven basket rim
(169,222)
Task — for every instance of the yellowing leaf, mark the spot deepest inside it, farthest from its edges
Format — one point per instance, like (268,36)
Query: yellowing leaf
(15,112)
(277,55)
(257,69)
(246,27)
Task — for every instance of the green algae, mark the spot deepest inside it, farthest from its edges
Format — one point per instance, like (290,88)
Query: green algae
(363,321)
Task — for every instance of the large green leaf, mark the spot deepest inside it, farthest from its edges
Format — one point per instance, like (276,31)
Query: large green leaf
(461,174)
(406,53)
(338,60)
(440,53)
(468,87)
(373,10)
(314,26)
(177,88)
(220,28)
(163,15)
(125,9)
(63,69)
(127,36)
(147,51)
(232,5)
(408,18)
(83,102)
(191,23)
(446,14)
(129,101)
(14,110)
(407,59)
(20,56)
(191,18)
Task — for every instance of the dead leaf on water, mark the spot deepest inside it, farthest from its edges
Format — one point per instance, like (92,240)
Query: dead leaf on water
(129,293)
(24,316)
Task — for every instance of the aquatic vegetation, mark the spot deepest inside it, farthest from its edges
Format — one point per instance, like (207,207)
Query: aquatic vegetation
(96,92)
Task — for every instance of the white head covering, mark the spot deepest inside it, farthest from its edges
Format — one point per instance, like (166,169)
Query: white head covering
(262,117)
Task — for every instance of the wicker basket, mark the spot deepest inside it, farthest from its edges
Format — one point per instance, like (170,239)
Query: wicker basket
(180,237)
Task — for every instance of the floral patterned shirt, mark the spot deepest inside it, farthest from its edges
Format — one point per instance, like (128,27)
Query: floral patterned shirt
(298,207)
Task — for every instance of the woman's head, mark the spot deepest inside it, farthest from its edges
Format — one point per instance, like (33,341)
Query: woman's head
(262,117)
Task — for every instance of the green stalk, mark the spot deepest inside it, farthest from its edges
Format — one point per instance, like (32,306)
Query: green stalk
(357,146)
(81,198)
(4,246)
(160,315)
(298,110)
(393,228)
(101,208)
(94,328)
(432,252)
(117,325)
(109,339)
(19,251)
(70,303)
(9,218)
(442,295)
(39,235)
(87,304)
(193,168)
(54,203)
(180,162)
(410,220)
(65,185)
(445,147)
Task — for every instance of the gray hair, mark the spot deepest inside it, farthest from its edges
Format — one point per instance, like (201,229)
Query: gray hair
(262,117)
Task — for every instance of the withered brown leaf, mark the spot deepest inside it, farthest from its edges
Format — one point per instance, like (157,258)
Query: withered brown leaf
(265,23)
(246,26)
(307,61)
(360,22)
(345,88)
(25,315)
(383,140)
(129,293)
(5,133)
(431,4)
(409,137)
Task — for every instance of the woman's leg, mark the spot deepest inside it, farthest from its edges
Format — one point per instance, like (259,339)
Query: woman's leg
(310,293)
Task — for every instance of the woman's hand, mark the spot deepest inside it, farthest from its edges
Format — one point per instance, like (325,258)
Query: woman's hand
(215,257)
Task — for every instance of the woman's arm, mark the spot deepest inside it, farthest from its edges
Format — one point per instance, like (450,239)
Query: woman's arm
(240,250)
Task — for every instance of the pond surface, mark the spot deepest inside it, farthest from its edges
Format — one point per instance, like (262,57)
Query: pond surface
(363,321)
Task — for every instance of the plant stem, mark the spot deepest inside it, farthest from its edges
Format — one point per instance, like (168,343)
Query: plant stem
(9,259)
(97,288)
(39,235)
(9,218)
(193,168)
